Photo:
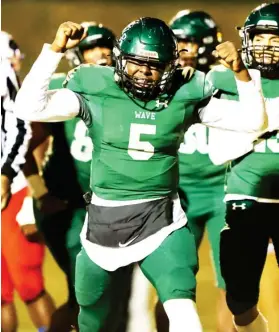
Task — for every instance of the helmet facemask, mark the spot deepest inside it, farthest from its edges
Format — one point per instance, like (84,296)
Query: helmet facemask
(265,58)
(139,88)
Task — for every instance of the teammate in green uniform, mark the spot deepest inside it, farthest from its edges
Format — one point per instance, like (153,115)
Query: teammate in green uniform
(96,48)
(252,190)
(71,146)
(201,183)
(136,116)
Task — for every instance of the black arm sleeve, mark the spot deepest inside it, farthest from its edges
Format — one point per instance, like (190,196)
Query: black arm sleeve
(84,111)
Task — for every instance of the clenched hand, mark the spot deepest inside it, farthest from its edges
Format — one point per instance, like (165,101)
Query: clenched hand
(68,35)
(229,56)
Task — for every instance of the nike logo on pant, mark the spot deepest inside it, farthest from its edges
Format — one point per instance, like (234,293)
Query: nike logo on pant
(122,245)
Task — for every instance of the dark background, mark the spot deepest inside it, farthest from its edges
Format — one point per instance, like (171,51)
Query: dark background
(34,22)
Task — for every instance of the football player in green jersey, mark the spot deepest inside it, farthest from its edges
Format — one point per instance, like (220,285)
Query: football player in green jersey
(201,183)
(96,48)
(136,116)
(252,189)
(197,35)
(58,204)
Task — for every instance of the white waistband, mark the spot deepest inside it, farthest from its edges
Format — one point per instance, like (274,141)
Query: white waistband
(106,202)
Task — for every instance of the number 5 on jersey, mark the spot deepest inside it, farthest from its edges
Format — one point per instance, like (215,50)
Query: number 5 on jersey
(137,149)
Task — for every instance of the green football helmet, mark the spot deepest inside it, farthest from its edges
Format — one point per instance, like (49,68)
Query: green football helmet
(200,28)
(263,19)
(97,36)
(151,41)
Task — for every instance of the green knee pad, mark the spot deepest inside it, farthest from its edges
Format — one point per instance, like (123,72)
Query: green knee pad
(172,267)
(91,285)
(100,294)
(207,212)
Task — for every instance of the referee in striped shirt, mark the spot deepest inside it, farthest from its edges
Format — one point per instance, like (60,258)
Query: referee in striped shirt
(15,133)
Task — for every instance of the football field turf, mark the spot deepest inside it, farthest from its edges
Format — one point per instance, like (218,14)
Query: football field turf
(206,292)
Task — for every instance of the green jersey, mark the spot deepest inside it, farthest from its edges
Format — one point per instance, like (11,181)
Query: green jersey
(257,173)
(135,143)
(196,171)
(57,81)
(81,150)
(71,155)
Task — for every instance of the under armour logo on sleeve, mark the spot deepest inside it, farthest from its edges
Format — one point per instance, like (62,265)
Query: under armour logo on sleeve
(241,206)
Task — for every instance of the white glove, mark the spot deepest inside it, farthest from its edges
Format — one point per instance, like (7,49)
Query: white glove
(26,214)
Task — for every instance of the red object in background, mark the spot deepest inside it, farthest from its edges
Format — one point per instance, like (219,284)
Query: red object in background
(21,260)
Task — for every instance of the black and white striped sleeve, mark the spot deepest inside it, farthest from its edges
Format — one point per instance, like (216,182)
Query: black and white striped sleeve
(16,135)
(15,147)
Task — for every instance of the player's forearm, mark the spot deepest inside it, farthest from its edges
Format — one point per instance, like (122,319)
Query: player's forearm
(252,112)
(243,75)
(30,169)
(35,103)
(246,115)
(40,136)
(35,181)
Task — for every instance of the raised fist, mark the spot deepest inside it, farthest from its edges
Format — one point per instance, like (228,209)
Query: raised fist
(228,56)
(68,35)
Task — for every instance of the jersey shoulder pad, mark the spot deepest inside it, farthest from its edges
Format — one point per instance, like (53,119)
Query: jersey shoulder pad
(222,78)
(57,80)
(89,79)
(196,88)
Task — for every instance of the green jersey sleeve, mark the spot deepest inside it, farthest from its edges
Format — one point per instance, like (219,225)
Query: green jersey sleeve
(199,90)
(57,80)
(222,79)
(73,82)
